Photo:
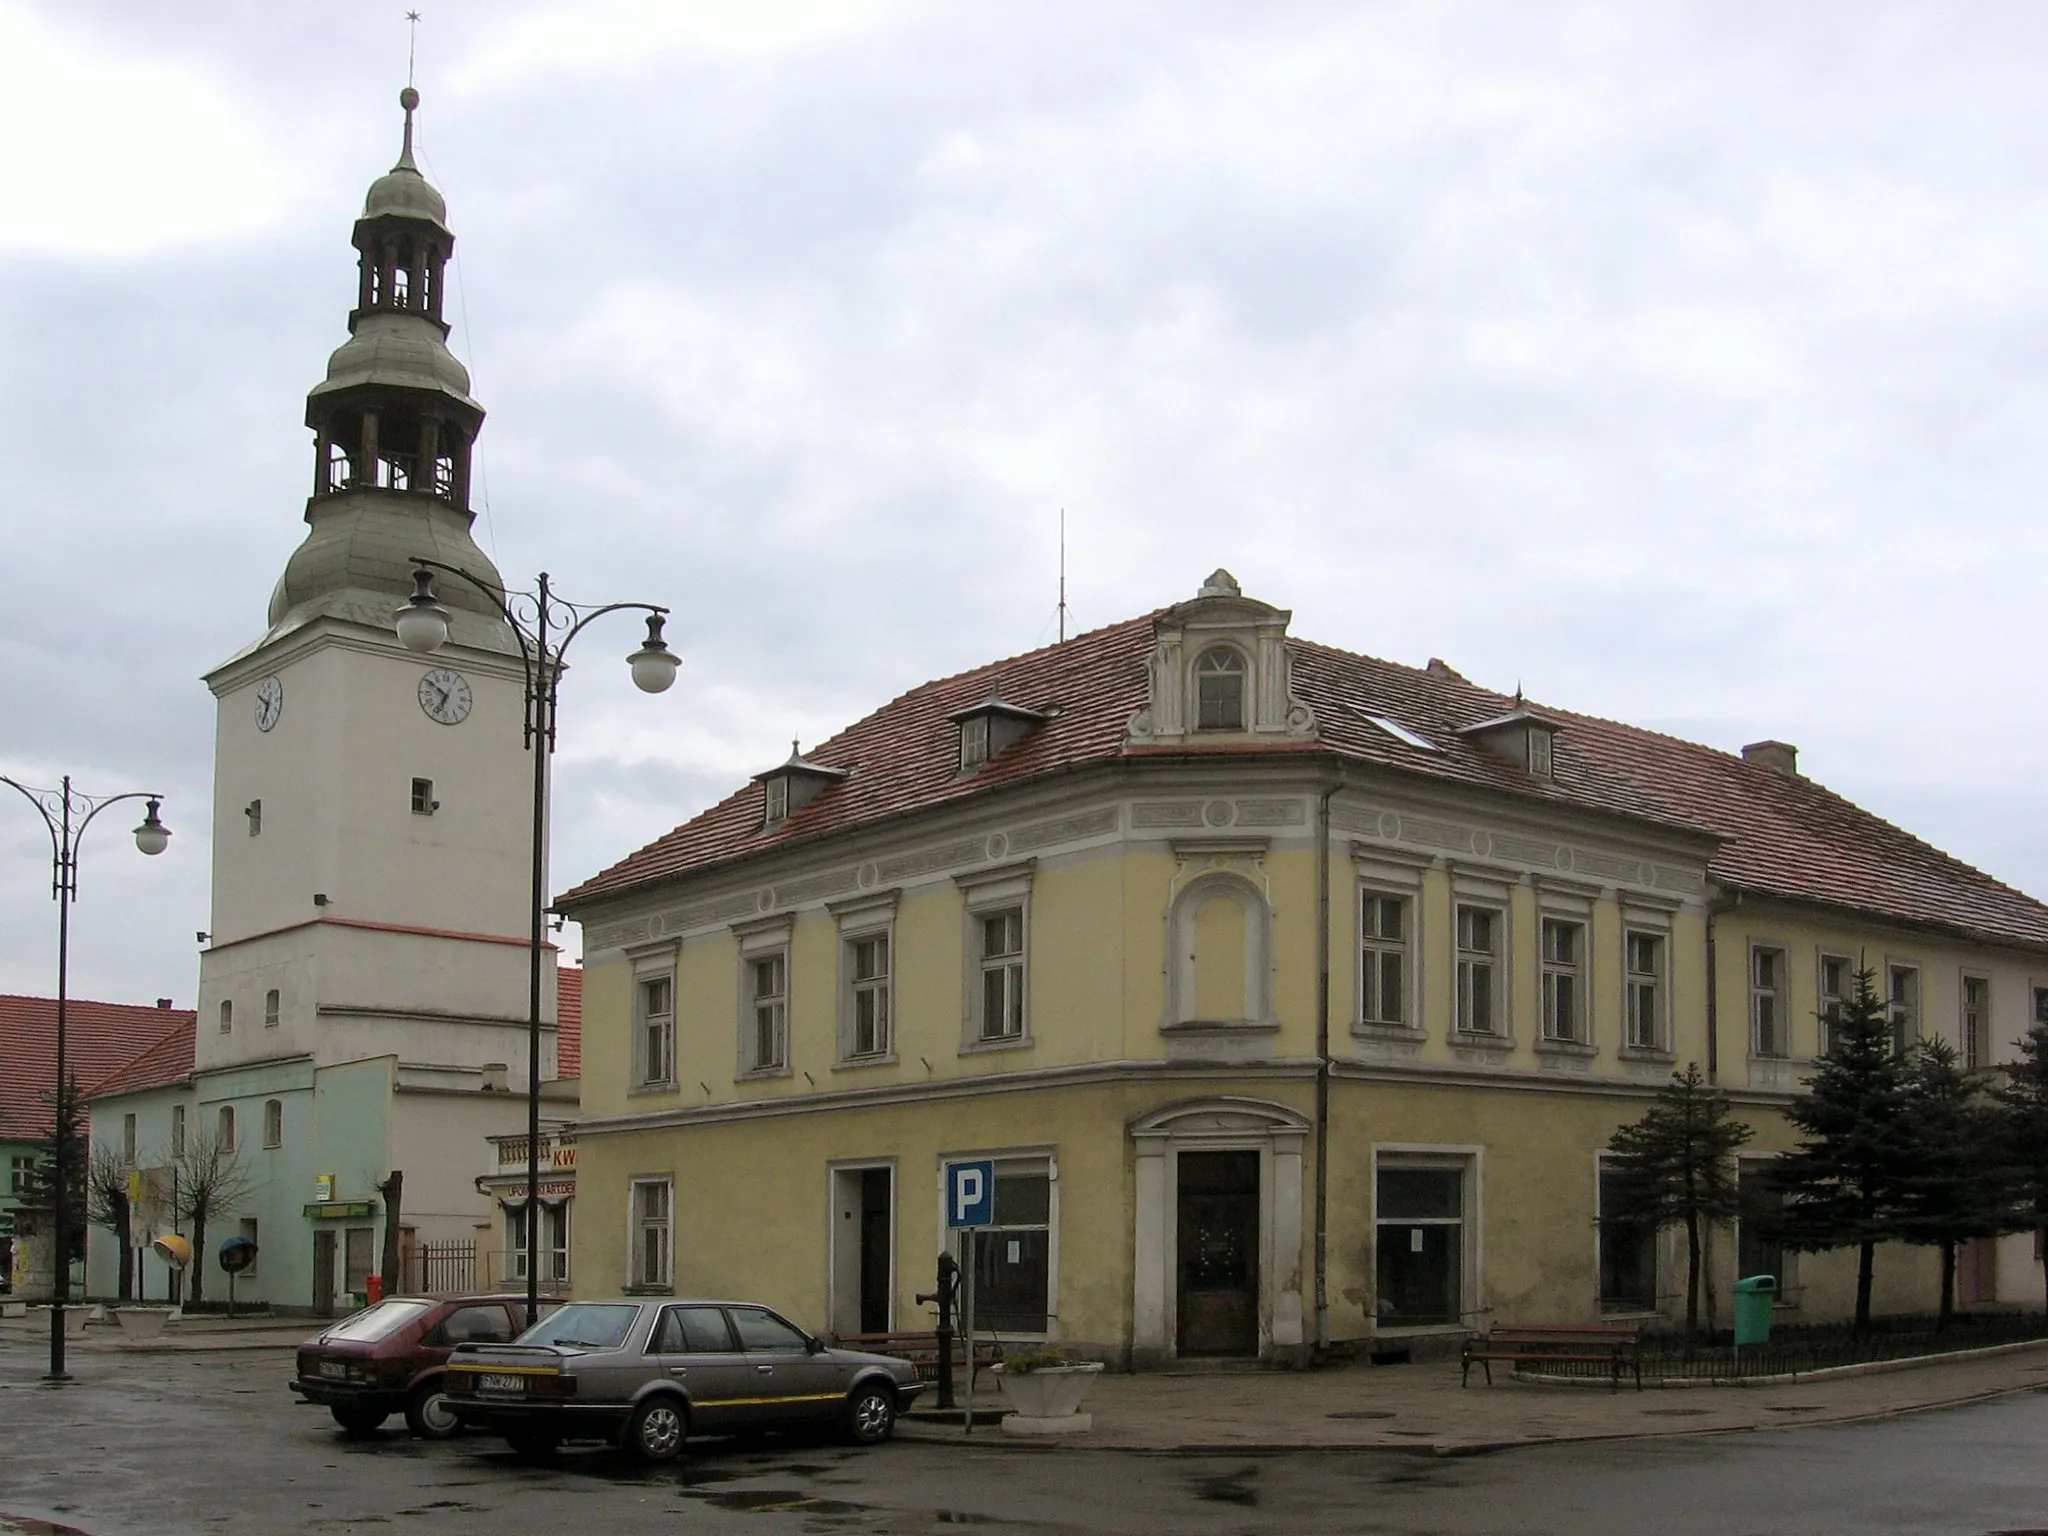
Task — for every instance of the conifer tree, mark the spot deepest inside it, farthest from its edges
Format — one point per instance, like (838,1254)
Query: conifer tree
(1844,1184)
(2022,1096)
(71,1144)
(1676,1166)
(1957,1185)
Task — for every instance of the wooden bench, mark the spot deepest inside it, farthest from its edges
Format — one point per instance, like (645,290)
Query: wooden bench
(1618,1346)
(922,1350)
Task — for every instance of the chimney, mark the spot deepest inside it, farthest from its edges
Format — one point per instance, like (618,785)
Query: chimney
(163,1002)
(1778,756)
(494,1077)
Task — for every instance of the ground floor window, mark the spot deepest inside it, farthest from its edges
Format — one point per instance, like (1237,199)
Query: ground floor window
(1419,1230)
(554,1242)
(1628,1254)
(1758,1204)
(1012,1259)
(650,1219)
(359,1258)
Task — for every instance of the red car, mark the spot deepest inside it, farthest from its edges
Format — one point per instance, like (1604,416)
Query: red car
(388,1358)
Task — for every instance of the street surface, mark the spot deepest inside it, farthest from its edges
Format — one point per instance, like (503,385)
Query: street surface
(162,1445)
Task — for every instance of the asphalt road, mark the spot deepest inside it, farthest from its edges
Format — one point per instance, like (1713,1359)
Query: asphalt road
(162,1445)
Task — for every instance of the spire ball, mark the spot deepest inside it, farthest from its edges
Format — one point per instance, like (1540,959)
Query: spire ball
(409,99)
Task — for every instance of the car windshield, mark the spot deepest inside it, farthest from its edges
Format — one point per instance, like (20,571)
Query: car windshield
(584,1325)
(378,1322)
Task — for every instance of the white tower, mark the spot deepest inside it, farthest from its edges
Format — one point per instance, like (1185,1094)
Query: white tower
(372,809)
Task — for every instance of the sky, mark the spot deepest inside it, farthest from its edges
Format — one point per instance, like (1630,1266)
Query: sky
(1682,363)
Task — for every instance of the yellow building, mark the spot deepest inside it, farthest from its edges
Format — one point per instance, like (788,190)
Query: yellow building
(1293,993)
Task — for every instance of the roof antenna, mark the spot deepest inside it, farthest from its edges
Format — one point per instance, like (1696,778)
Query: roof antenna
(1063,577)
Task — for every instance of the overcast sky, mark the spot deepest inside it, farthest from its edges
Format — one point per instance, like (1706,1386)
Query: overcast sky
(1683,363)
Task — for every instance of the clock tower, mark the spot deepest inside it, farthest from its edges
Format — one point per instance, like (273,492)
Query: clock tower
(363,992)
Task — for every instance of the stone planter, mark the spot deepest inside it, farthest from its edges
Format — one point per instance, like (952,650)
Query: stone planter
(142,1322)
(1046,1401)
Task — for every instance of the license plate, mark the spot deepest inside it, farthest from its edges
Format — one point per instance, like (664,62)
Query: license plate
(494,1381)
(335,1369)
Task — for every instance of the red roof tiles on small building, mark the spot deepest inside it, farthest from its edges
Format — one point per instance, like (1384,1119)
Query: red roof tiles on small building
(1779,835)
(98,1039)
(159,1065)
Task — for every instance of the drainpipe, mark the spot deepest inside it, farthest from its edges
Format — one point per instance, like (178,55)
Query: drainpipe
(1322,1255)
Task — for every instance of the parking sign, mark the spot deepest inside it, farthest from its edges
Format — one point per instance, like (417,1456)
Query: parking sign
(970,1194)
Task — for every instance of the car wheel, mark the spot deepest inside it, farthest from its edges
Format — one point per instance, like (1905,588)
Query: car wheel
(427,1413)
(533,1444)
(358,1422)
(656,1430)
(870,1414)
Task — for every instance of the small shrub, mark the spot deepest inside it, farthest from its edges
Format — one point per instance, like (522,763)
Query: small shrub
(1034,1360)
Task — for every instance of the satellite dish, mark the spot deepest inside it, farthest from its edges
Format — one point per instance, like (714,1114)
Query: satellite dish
(173,1249)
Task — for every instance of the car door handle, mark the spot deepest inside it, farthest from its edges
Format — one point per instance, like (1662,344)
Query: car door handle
(765,1370)
(679,1370)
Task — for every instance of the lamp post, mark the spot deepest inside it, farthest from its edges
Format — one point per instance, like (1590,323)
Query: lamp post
(67,813)
(536,619)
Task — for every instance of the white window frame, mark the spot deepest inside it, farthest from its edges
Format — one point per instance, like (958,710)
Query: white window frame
(652,967)
(273,1008)
(1637,982)
(985,896)
(554,1259)
(860,923)
(1013,1161)
(974,752)
(759,941)
(1908,1021)
(639,1223)
(1375,949)
(227,1016)
(273,1122)
(774,799)
(1830,1005)
(1235,664)
(224,1130)
(1973,1034)
(1781,1013)
(1566,1022)
(1494,960)
(1471,1160)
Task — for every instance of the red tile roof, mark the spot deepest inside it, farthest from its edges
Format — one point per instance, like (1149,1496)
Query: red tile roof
(165,1061)
(98,1039)
(1781,835)
(568,1021)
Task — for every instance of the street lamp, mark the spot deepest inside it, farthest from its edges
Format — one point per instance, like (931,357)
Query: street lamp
(67,814)
(535,617)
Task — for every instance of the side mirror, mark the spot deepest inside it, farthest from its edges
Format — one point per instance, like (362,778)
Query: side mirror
(814,1346)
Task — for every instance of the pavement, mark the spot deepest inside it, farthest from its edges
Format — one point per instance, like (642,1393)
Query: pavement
(1417,1408)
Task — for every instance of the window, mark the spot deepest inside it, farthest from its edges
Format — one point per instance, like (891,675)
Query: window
(1903,994)
(1564,948)
(177,1130)
(1219,691)
(273,1122)
(973,742)
(271,1007)
(2041,1005)
(246,1230)
(656,1047)
(1539,752)
(1478,970)
(1012,1257)
(359,1246)
(1628,1254)
(1837,985)
(649,1206)
(224,1133)
(227,1016)
(21,1173)
(1001,1015)
(254,811)
(423,801)
(1645,965)
(770,977)
(554,1242)
(868,979)
(1767,1002)
(1758,1203)
(1383,972)
(1419,1226)
(776,795)
(474,1325)
(128,1140)
(1976,1030)
(692,1331)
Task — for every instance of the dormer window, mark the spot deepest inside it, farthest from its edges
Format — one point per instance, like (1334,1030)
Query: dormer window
(1219,690)
(778,799)
(1539,752)
(973,742)
(1522,736)
(991,726)
(792,785)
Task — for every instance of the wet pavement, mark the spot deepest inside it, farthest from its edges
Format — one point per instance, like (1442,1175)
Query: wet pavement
(211,1441)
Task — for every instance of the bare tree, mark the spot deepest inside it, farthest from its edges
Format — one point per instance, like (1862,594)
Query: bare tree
(211,1183)
(107,1205)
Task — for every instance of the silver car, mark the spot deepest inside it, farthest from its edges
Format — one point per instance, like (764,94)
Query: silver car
(645,1375)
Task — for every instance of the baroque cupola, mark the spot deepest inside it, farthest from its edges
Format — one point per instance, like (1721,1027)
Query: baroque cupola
(394,428)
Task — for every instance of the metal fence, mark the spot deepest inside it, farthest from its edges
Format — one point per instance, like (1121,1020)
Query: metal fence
(1814,1346)
(437,1269)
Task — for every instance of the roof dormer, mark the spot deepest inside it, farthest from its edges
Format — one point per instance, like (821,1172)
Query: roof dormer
(990,726)
(1522,736)
(790,785)
(1220,671)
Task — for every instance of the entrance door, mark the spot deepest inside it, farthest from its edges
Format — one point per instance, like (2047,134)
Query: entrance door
(1976,1271)
(863,1239)
(1217,1272)
(323,1272)
(874,1250)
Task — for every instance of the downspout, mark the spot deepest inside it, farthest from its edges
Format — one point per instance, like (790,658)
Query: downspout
(1714,910)
(1322,1249)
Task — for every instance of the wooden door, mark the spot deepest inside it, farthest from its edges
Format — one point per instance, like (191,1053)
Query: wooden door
(1217,1261)
(323,1271)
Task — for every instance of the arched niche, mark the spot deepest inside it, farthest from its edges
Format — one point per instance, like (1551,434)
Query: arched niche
(1219,938)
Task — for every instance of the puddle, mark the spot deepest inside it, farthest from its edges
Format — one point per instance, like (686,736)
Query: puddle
(1793,1408)
(1229,1488)
(1362,1413)
(1674,1413)
(778,1501)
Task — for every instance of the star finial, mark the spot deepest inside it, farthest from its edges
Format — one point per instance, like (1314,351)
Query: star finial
(412,21)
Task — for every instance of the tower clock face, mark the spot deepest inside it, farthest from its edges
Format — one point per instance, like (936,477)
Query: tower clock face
(269,702)
(445,695)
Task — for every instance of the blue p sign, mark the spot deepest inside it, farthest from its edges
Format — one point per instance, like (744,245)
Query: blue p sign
(970,1194)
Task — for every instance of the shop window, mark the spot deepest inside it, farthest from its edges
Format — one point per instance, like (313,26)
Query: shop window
(1628,1254)
(1419,1232)
(1012,1257)
(1758,1204)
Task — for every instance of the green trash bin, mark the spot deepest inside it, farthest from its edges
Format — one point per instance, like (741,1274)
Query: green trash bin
(1754,1298)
